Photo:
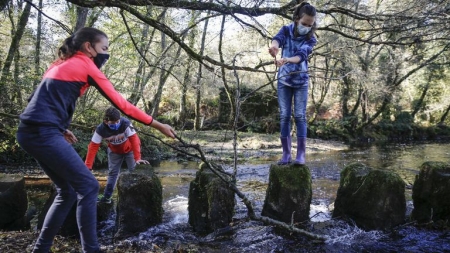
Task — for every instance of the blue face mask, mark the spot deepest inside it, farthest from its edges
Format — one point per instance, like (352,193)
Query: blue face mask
(303,30)
(114,126)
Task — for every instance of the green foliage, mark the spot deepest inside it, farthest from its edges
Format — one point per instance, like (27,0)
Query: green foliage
(404,118)
(167,119)
(10,151)
(329,130)
(258,110)
(84,138)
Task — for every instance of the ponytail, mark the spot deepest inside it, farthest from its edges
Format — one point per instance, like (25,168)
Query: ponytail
(67,49)
(74,43)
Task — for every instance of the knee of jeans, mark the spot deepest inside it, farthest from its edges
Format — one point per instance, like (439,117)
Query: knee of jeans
(300,118)
(285,118)
(95,186)
(113,173)
(92,186)
(68,194)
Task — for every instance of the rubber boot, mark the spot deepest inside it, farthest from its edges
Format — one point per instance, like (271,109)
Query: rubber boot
(286,145)
(301,146)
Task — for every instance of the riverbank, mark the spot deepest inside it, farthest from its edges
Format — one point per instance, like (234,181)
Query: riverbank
(220,145)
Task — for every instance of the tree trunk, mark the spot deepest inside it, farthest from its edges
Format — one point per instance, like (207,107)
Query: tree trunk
(14,47)
(198,83)
(364,106)
(183,98)
(224,79)
(345,95)
(444,116)
(37,52)
(16,92)
(157,97)
(423,94)
(187,78)
(82,13)
(140,79)
(322,88)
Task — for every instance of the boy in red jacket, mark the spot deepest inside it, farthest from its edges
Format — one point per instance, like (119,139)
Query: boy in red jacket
(123,144)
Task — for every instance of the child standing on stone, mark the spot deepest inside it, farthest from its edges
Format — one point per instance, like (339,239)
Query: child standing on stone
(297,41)
(123,144)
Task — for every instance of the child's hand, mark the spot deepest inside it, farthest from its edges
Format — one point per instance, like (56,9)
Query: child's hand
(167,131)
(70,137)
(142,162)
(280,62)
(273,51)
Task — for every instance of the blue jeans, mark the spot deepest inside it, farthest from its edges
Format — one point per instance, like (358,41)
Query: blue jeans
(300,97)
(73,182)
(114,163)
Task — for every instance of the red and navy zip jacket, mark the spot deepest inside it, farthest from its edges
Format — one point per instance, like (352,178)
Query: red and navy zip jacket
(120,141)
(53,102)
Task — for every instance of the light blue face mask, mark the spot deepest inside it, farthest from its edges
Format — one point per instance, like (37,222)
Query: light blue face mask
(303,30)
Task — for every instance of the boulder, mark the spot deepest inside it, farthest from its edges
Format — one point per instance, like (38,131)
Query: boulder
(211,202)
(373,199)
(139,204)
(288,196)
(13,203)
(431,192)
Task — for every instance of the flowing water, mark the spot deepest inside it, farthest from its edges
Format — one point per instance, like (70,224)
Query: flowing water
(251,236)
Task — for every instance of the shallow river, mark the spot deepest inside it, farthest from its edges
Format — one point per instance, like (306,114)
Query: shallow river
(250,236)
(325,166)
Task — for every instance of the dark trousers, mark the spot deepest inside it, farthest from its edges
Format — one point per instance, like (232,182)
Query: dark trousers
(73,181)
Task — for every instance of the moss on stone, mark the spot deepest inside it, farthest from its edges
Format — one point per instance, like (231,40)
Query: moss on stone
(374,199)
(140,197)
(211,201)
(431,192)
(289,193)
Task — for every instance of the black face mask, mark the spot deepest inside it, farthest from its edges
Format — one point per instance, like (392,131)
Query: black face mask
(100,59)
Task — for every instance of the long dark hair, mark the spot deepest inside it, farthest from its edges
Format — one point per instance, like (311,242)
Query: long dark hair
(73,43)
(300,11)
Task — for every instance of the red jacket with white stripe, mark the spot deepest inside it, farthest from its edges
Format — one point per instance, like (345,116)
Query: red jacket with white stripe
(120,141)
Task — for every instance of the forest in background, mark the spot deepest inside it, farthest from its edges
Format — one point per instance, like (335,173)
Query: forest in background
(380,70)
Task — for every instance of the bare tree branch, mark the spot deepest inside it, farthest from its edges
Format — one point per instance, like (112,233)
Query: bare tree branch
(193,5)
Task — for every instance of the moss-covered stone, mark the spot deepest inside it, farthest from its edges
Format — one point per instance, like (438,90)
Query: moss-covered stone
(13,203)
(374,199)
(289,193)
(431,192)
(211,202)
(139,203)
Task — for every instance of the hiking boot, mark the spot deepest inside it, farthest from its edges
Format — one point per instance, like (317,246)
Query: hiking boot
(103,199)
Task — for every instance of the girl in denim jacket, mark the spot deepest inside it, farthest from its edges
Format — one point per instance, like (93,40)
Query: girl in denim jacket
(297,41)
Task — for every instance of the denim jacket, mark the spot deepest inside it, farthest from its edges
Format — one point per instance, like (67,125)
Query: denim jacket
(294,74)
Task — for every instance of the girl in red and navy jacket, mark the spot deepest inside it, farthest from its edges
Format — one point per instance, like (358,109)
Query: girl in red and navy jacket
(43,132)
(123,144)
